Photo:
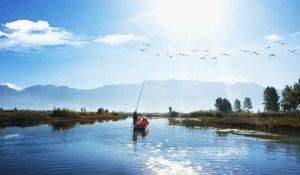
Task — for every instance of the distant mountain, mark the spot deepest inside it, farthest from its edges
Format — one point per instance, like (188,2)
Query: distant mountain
(182,95)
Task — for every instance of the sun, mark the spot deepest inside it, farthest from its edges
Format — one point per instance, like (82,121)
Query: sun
(188,16)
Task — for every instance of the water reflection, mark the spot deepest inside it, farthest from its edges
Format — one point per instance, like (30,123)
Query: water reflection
(168,150)
(290,146)
(63,125)
(137,133)
(222,134)
(66,125)
(88,122)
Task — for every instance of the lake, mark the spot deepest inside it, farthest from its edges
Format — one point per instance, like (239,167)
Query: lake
(113,148)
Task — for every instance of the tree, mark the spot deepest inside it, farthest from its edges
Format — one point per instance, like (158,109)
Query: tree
(101,110)
(237,106)
(170,109)
(219,104)
(289,100)
(296,90)
(291,97)
(247,104)
(271,99)
(172,113)
(223,105)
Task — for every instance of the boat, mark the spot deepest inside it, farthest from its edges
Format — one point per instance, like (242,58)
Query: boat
(141,124)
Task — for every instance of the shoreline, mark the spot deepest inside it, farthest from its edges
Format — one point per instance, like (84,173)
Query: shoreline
(27,118)
(276,123)
(282,124)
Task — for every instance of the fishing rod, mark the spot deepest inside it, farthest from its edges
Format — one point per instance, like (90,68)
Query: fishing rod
(137,104)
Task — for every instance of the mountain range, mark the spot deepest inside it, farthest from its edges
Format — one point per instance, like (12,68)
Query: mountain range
(157,96)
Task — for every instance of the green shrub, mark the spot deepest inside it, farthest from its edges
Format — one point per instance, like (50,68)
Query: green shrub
(102,111)
(64,113)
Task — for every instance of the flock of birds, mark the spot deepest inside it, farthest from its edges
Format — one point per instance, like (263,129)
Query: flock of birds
(209,55)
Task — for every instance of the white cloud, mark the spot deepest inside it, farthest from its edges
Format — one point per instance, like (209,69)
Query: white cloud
(29,34)
(2,34)
(273,37)
(118,39)
(12,86)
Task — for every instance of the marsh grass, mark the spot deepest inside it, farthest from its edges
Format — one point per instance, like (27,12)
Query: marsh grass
(24,118)
(280,123)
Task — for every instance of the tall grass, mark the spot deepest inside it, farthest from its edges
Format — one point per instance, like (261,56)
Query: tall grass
(270,122)
(64,113)
(32,118)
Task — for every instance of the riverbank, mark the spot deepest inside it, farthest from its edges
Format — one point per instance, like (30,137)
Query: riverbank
(23,118)
(278,123)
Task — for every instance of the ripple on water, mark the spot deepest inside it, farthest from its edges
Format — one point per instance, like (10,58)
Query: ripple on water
(11,136)
(90,150)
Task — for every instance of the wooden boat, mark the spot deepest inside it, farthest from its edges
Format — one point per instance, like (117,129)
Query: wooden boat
(141,124)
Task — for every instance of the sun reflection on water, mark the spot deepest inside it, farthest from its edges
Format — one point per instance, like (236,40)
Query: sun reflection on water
(160,165)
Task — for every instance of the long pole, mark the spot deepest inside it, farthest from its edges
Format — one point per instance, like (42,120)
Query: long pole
(137,104)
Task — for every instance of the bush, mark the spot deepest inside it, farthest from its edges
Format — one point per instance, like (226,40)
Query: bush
(173,114)
(102,111)
(219,115)
(201,114)
(64,113)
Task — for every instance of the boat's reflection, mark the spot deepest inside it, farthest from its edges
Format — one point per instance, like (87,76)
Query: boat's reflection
(139,133)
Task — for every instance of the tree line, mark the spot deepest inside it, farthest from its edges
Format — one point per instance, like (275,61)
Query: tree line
(290,101)
(224,105)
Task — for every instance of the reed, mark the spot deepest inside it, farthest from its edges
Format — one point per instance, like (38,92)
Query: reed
(281,123)
(24,118)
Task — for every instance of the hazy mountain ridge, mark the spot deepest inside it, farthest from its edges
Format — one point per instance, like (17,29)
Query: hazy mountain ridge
(182,95)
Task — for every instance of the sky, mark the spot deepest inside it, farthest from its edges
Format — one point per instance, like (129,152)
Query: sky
(87,43)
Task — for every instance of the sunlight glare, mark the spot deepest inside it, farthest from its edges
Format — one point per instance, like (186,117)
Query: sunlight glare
(182,16)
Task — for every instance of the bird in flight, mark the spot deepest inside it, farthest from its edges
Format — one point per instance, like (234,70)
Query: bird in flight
(292,51)
(171,56)
(206,50)
(147,44)
(272,55)
(206,55)
(282,43)
(195,50)
(225,54)
(143,50)
(182,54)
(255,53)
(268,47)
(214,58)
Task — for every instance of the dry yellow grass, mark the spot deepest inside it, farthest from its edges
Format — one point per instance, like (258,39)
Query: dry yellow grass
(283,124)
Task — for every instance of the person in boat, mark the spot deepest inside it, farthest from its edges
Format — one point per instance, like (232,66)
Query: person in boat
(135,118)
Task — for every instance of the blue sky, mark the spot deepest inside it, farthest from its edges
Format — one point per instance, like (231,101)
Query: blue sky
(87,44)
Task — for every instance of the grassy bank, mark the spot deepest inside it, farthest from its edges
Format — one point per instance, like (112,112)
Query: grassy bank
(25,118)
(279,123)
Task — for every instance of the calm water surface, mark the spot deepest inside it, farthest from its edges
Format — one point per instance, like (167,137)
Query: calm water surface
(101,148)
